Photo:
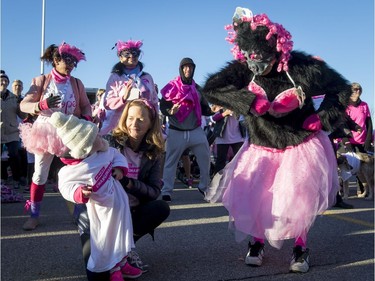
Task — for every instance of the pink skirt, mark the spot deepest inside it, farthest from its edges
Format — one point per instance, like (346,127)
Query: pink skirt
(276,194)
(40,137)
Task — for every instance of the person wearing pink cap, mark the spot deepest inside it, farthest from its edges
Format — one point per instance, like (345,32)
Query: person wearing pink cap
(127,82)
(56,91)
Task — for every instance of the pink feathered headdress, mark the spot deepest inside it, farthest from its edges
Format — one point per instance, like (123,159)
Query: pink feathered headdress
(71,50)
(130,44)
(284,44)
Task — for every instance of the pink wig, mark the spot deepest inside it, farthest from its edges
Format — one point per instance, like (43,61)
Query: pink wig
(71,50)
(130,44)
(284,44)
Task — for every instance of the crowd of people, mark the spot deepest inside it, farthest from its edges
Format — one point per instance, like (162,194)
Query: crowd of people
(119,161)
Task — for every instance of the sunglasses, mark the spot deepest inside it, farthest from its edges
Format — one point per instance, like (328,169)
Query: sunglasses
(127,54)
(69,60)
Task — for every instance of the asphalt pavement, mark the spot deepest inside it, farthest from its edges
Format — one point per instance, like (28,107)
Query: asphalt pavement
(194,244)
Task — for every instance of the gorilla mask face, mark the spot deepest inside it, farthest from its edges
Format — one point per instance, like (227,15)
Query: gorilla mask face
(260,53)
(258,64)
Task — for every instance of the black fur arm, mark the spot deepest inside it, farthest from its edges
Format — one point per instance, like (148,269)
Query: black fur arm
(317,78)
(227,88)
(231,98)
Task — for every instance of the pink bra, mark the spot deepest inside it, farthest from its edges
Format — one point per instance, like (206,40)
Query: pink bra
(284,102)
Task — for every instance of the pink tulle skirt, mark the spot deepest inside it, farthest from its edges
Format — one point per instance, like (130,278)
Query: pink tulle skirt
(277,194)
(41,137)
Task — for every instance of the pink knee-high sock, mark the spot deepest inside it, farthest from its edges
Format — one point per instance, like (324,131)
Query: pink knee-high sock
(36,192)
(35,209)
(36,197)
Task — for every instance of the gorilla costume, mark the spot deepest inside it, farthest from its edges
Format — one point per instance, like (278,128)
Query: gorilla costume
(286,173)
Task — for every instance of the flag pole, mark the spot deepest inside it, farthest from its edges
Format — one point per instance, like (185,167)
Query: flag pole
(42,49)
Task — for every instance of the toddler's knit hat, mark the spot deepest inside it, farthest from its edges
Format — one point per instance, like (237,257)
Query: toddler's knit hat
(77,134)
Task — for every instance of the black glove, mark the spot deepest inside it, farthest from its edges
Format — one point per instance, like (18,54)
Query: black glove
(51,102)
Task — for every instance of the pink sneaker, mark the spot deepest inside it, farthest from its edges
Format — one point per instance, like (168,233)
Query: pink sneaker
(130,272)
(116,276)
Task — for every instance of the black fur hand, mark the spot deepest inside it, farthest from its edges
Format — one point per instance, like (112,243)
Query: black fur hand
(229,98)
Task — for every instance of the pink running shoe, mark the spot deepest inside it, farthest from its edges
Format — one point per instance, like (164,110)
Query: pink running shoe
(116,276)
(130,272)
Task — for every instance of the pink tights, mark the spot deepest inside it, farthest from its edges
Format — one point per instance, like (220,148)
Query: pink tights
(298,242)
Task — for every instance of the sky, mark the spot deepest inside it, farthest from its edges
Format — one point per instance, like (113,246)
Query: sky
(341,32)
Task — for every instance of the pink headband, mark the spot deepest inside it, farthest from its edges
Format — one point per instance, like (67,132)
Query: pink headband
(65,48)
(284,44)
(130,44)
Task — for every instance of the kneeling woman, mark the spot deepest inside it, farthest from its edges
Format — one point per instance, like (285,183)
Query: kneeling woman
(138,136)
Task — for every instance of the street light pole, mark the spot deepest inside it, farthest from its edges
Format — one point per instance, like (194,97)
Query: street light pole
(42,51)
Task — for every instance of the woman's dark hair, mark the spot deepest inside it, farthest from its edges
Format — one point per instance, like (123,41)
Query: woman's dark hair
(50,53)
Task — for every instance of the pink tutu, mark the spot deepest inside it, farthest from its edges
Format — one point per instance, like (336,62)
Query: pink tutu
(277,194)
(41,137)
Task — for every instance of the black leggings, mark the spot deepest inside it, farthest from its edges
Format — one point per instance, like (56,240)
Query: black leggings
(222,152)
(146,218)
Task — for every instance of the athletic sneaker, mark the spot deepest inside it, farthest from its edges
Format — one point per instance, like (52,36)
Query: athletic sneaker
(31,223)
(116,276)
(135,261)
(166,198)
(130,272)
(300,260)
(255,254)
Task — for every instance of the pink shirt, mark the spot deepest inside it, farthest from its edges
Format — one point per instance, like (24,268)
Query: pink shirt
(134,162)
(359,114)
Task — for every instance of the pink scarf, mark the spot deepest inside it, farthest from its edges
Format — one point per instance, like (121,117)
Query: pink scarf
(186,95)
(58,78)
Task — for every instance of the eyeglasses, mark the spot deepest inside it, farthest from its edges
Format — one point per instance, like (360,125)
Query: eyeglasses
(127,54)
(69,60)
(355,91)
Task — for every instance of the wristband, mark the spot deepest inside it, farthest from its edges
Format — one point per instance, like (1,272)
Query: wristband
(43,105)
